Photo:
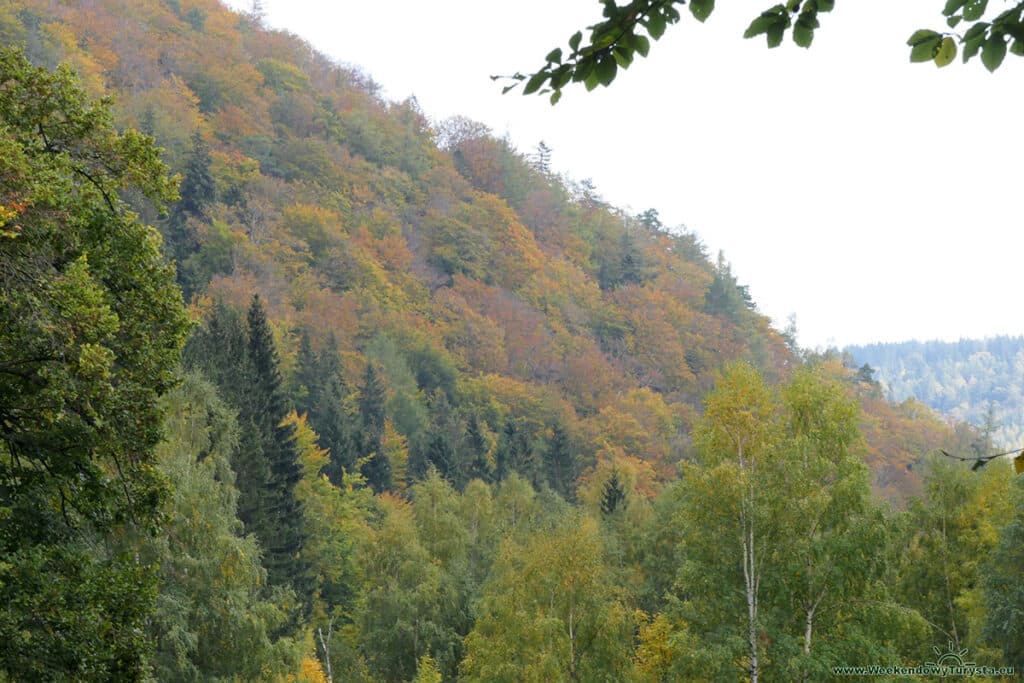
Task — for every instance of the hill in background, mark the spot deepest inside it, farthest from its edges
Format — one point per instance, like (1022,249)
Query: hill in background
(980,381)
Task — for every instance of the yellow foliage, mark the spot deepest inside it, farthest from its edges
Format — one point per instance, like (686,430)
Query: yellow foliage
(396,450)
(310,671)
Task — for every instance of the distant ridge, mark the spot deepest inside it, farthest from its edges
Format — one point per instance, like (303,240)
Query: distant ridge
(976,380)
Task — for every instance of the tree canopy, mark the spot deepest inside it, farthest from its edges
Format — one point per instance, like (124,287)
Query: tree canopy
(92,326)
(626,31)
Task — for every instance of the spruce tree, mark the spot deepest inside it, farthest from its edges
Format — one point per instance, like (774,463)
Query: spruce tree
(477,466)
(560,463)
(374,464)
(320,393)
(278,523)
(197,191)
(613,497)
(515,454)
(241,359)
(197,187)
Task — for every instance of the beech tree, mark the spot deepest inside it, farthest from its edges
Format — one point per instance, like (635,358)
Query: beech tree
(91,328)
(626,31)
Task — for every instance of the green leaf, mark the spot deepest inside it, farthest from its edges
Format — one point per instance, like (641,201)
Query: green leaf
(803,30)
(656,25)
(584,69)
(537,80)
(761,25)
(974,9)
(802,35)
(1017,48)
(952,6)
(921,36)
(623,56)
(774,35)
(976,31)
(946,53)
(507,88)
(561,77)
(574,42)
(641,45)
(555,96)
(926,49)
(972,46)
(826,5)
(701,9)
(555,56)
(993,51)
(953,21)
(591,81)
(606,70)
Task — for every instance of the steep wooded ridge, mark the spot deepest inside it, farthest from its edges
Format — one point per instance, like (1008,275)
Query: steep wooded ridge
(980,381)
(447,415)
(439,252)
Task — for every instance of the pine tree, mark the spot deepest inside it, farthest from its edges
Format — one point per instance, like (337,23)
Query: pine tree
(375,466)
(438,448)
(725,296)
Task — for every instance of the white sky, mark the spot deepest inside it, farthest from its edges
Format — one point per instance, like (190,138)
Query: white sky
(875,199)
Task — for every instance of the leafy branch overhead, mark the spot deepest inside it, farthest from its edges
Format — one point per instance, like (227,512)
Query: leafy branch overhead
(627,31)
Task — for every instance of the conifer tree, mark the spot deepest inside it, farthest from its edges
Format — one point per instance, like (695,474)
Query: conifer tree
(438,448)
(515,454)
(197,187)
(197,191)
(241,359)
(613,497)
(374,465)
(320,393)
(559,463)
(507,454)
(278,523)
(476,447)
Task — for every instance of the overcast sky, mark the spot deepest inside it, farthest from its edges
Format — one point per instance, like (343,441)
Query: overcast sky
(874,199)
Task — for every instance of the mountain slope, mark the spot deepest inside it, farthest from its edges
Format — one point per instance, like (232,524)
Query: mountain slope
(435,251)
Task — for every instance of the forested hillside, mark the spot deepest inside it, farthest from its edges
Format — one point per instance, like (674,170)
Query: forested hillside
(980,381)
(441,414)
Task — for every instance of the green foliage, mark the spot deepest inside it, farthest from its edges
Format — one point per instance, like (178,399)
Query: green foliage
(551,612)
(403,615)
(952,529)
(374,465)
(91,327)
(211,620)
(241,359)
(1002,580)
(779,565)
(459,313)
(615,41)
(321,393)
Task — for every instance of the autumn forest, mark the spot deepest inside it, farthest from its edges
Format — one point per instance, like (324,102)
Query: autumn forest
(298,384)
